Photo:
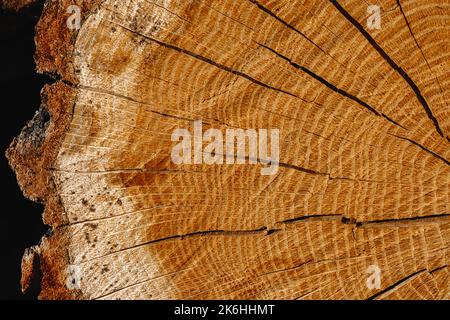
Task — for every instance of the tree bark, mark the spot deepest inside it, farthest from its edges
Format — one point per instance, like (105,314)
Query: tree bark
(16,5)
(364,168)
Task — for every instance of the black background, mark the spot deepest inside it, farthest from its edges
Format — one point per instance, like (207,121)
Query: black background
(21,223)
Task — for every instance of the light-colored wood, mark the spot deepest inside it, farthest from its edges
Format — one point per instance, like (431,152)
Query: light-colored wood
(364,150)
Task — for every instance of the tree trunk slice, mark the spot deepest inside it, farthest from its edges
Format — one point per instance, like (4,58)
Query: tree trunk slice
(364,139)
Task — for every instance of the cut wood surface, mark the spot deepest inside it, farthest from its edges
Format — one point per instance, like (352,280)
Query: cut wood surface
(364,176)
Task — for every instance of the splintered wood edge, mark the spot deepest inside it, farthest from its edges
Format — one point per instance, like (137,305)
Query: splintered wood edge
(17,5)
(33,155)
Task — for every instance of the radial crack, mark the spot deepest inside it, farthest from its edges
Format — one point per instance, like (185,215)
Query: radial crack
(209,61)
(434,154)
(423,219)
(191,235)
(399,5)
(392,63)
(396,284)
(273,15)
(332,86)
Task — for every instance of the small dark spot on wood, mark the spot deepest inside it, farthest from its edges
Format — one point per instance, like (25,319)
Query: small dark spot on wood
(104,270)
(86,236)
(92,225)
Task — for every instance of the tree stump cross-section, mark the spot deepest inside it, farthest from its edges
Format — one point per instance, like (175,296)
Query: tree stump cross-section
(364,163)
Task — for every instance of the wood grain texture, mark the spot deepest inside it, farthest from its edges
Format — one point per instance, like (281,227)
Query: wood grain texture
(364,138)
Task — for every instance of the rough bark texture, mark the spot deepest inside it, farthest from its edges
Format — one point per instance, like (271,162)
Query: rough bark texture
(364,170)
(16,5)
